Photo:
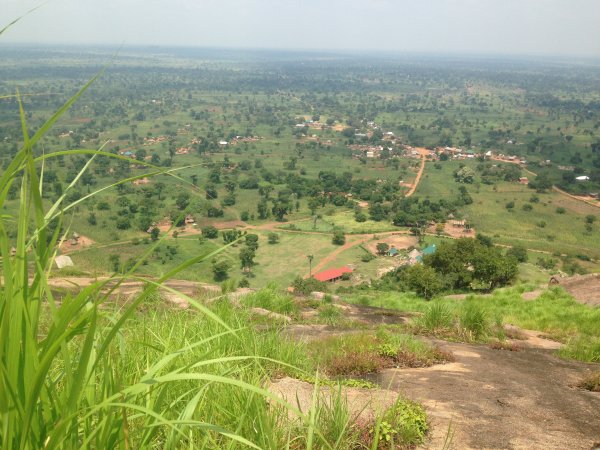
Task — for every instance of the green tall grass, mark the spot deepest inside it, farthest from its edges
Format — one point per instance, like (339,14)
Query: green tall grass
(555,312)
(62,383)
(83,372)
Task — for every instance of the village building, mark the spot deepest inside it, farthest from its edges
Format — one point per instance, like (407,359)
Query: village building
(332,275)
(393,251)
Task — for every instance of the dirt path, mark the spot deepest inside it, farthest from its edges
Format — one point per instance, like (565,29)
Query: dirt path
(554,188)
(574,197)
(496,399)
(337,252)
(351,242)
(423,152)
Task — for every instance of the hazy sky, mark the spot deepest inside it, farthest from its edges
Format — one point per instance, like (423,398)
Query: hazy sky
(558,27)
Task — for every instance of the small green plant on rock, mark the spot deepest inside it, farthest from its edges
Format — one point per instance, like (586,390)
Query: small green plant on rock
(404,424)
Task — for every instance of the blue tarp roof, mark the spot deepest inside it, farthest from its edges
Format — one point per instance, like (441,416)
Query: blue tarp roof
(430,250)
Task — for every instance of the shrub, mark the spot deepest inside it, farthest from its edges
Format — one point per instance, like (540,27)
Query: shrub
(338,238)
(519,252)
(474,321)
(437,316)
(308,285)
(360,217)
(210,232)
(220,270)
(366,257)
(329,314)
(403,425)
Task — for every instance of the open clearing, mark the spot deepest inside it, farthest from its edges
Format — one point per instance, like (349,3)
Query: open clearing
(401,242)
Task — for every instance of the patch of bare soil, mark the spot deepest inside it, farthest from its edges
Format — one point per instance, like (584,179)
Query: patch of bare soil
(228,224)
(585,288)
(401,242)
(533,295)
(454,232)
(502,400)
(70,245)
(369,315)
(365,315)
(530,338)
(364,404)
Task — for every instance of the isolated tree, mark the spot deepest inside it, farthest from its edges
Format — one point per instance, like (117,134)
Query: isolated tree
(159,188)
(273,238)
(182,201)
(262,209)
(251,241)
(465,175)
(230,235)
(220,269)
(519,252)
(280,209)
(313,205)
(123,223)
(247,255)
(339,238)
(382,248)
(154,233)
(210,232)
(424,280)
(115,261)
(211,192)
(230,186)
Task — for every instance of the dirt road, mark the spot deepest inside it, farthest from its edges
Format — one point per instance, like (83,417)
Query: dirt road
(423,152)
(351,242)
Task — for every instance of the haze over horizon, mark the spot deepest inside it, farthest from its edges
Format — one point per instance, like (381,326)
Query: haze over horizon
(490,27)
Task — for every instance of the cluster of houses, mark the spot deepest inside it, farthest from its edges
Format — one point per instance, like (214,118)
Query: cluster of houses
(237,139)
(369,151)
(339,273)
(312,124)
(166,222)
(154,140)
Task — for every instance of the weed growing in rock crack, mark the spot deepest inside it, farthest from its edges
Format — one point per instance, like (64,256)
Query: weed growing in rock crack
(505,345)
(591,382)
(362,353)
(404,424)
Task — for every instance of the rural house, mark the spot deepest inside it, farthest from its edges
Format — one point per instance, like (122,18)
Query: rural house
(332,275)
